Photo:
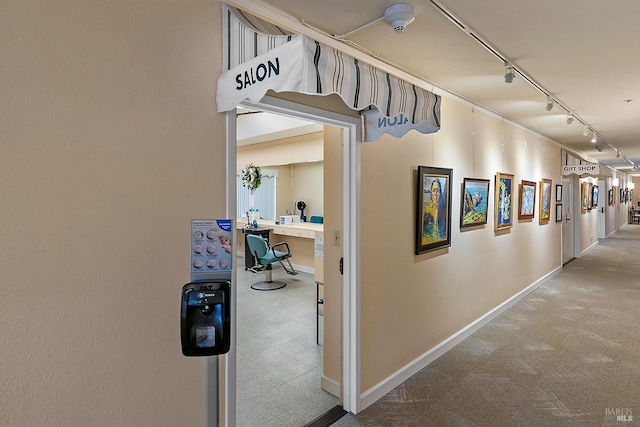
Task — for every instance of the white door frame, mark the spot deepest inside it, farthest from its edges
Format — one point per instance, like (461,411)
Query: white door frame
(351,232)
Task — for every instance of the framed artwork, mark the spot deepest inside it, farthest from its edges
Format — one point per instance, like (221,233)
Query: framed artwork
(626,195)
(474,202)
(590,196)
(584,196)
(621,195)
(433,216)
(558,193)
(611,199)
(527,200)
(558,212)
(594,196)
(503,201)
(545,200)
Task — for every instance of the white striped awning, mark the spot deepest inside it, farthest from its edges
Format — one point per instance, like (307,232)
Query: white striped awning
(260,56)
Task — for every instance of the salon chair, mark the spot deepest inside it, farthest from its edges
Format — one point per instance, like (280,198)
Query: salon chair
(265,256)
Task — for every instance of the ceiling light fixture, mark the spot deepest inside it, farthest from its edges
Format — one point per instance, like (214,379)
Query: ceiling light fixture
(549,103)
(569,118)
(458,22)
(617,153)
(594,138)
(399,15)
(508,72)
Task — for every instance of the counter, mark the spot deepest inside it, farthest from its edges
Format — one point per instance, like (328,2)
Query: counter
(301,238)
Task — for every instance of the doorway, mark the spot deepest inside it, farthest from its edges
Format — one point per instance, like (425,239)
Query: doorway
(343,237)
(569,221)
(601,211)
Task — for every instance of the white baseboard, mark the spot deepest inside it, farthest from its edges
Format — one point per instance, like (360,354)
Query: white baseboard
(385,386)
(593,245)
(330,386)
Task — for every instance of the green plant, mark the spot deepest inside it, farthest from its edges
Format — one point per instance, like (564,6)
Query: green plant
(251,177)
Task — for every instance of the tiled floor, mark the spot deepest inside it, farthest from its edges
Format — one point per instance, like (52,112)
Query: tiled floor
(279,364)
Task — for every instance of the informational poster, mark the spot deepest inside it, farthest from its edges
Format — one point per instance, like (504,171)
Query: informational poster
(211,245)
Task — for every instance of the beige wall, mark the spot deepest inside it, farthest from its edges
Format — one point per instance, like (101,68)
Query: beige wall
(332,339)
(300,169)
(411,303)
(588,219)
(110,145)
(308,186)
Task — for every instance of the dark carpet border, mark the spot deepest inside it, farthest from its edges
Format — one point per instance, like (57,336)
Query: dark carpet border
(328,418)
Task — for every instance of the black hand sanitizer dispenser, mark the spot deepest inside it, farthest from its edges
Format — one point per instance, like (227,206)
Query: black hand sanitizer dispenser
(205,323)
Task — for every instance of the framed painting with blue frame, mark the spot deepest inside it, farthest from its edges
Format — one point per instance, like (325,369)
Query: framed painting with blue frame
(503,215)
(433,216)
(474,203)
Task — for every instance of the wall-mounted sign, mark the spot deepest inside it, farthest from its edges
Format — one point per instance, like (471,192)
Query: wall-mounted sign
(583,169)
(376,123)
(211,245)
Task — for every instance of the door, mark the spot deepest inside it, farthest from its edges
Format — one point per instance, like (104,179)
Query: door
(601,212)
(568,227)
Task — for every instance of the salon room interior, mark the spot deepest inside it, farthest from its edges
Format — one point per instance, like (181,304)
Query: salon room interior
(290,154)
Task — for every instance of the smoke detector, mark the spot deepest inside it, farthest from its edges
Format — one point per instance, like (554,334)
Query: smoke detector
(399,15)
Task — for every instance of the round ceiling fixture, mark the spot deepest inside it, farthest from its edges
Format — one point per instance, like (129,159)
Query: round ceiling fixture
(399,15)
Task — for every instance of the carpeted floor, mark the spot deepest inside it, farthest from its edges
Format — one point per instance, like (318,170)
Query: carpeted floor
(568,354)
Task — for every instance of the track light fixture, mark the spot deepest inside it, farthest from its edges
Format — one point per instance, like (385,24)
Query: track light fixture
(549,103)
(617,153)
(508,72)
(586,131)
(594,138)
(569,118)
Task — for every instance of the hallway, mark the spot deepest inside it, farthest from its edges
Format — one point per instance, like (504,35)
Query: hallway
(565,355)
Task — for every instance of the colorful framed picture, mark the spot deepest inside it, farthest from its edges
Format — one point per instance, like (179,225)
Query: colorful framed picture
(558,212)
(611,199)
(503,201)
(590,196)
(621,195)
(527,200)
(558,193)
(545,200)
(584,196)
(594,196)
(474,203)
(433,216)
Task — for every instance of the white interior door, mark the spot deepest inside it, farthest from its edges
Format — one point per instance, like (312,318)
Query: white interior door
(601,211)
(568,227)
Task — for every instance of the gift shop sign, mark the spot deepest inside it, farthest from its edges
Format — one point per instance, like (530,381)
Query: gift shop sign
(583,169)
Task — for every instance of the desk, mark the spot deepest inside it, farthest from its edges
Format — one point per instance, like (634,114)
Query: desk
(249,261)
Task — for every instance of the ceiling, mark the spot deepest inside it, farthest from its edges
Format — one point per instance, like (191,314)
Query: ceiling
(582,53)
